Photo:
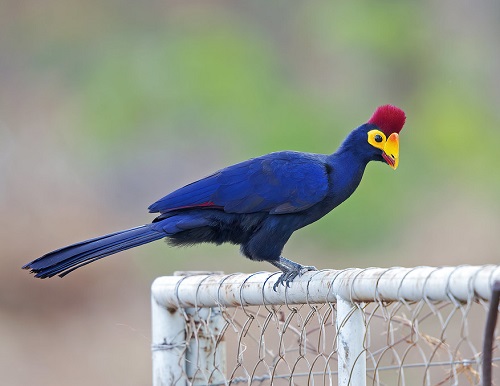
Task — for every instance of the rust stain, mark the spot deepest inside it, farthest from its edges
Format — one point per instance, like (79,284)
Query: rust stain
(172,310)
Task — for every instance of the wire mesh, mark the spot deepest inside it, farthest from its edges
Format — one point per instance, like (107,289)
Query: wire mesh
(421,343)
(424,342)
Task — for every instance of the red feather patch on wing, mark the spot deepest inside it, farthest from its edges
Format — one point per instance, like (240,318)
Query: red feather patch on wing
(389,119)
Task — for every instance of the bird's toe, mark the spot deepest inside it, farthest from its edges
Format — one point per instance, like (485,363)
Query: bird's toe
(289,275)
(286,279)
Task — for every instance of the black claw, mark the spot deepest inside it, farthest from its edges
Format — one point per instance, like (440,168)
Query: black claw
(288,276)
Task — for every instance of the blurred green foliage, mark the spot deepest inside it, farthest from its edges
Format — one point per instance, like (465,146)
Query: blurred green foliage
(214,79)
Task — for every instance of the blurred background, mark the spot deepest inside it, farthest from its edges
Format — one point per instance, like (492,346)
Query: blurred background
(106,106)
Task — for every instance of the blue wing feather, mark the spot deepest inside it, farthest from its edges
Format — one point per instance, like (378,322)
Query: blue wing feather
(282,182)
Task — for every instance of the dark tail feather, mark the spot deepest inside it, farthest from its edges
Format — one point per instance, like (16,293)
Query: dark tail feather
(63,261)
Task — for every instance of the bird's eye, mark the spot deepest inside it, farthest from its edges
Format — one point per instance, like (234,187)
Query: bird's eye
(378,138)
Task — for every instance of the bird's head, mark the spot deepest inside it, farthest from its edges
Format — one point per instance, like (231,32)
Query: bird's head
(378,139)
(383,134)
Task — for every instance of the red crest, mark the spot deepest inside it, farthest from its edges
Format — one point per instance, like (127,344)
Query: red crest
(389,119)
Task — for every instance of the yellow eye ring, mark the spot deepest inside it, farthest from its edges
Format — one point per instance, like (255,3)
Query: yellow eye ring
(377,139)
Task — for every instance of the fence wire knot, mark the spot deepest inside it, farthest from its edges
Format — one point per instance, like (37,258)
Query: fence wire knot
(167,346)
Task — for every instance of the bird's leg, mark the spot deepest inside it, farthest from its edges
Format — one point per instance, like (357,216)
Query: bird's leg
(290,271)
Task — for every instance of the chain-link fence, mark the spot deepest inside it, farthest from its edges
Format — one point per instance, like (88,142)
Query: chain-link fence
(396,326)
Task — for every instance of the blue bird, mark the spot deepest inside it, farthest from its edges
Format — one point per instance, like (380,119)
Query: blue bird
(256,204)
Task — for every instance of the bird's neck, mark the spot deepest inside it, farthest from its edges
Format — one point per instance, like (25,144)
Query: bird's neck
(347,169)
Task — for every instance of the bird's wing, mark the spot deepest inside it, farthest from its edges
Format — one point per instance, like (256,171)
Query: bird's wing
(277,183)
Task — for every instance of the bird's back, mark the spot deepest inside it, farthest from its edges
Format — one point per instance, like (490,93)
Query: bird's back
(277,183)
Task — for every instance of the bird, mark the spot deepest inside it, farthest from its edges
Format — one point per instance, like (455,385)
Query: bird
(257,204)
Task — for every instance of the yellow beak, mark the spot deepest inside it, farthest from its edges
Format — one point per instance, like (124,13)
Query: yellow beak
(391,151)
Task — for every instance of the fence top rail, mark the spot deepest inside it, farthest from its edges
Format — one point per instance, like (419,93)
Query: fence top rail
(459,284)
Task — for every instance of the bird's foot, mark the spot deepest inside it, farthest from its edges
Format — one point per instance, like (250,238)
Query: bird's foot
(290,271)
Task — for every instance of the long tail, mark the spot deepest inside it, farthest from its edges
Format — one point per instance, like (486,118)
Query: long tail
(63,261)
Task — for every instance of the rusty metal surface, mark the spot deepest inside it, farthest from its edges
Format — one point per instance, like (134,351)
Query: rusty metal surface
(370,284)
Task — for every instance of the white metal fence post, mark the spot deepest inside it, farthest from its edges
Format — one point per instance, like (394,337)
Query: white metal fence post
(169,343)
(206,354)
(351,333)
